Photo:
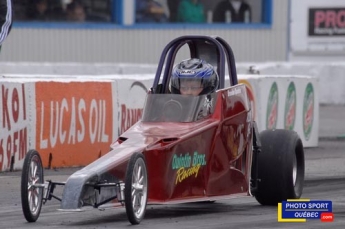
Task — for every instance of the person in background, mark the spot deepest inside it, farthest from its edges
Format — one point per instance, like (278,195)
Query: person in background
(75,12)
(164,5)
(149,11)
(229,11)
(173,8)
(38,10)
(191,11)
(6,17)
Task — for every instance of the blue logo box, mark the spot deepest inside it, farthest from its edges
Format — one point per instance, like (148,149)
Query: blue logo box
(305,209)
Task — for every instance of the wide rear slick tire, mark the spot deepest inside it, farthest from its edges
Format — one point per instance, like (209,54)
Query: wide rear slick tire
(280,167)
(31,196)
(136,188)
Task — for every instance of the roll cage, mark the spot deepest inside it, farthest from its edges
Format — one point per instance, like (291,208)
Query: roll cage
(213,49)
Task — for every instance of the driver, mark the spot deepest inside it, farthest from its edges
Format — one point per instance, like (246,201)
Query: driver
(193,77)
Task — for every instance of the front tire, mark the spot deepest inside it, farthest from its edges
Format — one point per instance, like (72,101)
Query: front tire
(280,167)
(136,188)
(31,196)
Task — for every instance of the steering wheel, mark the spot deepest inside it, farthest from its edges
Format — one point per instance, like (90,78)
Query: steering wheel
(172,111)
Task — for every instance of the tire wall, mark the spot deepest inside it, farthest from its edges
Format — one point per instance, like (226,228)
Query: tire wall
(73,120)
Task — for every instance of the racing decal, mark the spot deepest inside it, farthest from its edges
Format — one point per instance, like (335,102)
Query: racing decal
(131,113)
(233,92)
(14,125)
(187,165)
(187,72)
(233,138)
(250,94)
(129,116)
(74,121)
(308,111)
(272,107)
(290,107)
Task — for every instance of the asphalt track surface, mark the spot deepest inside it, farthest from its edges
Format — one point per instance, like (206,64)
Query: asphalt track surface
(325,180)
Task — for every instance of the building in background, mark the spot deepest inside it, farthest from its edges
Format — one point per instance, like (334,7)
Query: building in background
(112,35)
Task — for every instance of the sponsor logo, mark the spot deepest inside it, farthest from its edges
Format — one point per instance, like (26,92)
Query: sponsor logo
(13,126)
(187,72)
(308,110)
(272,107)
(250,94)
(130,114)
(73,114)
(290,107)
(233,92)
(187,165)
(326,22)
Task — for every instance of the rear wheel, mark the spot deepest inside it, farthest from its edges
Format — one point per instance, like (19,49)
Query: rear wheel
(31,195)
(280,167)
(136,186)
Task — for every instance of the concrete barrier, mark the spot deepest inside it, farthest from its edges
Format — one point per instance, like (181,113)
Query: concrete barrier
(73,120)
(286,102)
(68,121)
(331,76)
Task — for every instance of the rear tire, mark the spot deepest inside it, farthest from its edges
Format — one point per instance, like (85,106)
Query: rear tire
(136,188)
(32,197)
(280,167)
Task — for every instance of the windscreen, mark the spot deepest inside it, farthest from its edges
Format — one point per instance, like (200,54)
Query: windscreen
(177,108)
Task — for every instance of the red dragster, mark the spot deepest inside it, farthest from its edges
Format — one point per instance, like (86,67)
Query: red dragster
(184,149)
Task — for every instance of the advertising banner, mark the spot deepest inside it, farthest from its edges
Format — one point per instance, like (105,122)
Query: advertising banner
(326,22)
(285,102)
(131,98)
(317,27)
(74,122)
(14,124)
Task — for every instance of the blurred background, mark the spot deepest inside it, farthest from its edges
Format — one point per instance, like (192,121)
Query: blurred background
(136,31)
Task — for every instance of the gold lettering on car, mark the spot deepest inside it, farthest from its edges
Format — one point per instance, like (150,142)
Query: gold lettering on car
(187,165)
(183,173)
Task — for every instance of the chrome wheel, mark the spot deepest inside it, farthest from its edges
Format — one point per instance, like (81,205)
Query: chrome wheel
(139,188)
(136,188)
(31,186)
(34,177)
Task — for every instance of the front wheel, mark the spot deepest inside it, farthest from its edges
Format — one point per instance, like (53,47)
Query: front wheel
(31,194)
(136,185)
